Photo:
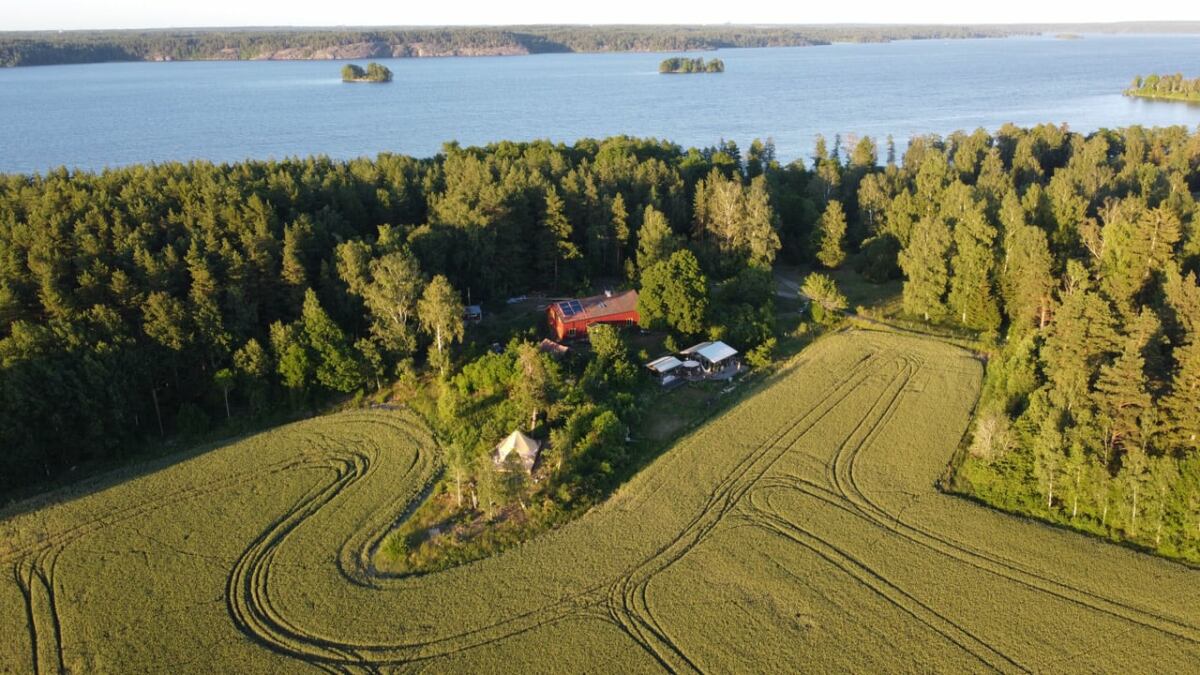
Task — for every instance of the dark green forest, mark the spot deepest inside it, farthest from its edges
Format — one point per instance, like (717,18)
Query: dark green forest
(1173,87)
(46,48)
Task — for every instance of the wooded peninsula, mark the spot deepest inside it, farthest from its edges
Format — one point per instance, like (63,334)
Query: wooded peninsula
(1168,87)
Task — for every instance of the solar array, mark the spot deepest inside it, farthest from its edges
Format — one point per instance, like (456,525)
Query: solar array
(570,308)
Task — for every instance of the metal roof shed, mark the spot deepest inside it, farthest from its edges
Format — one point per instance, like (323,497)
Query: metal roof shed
(664,365)
(711,354)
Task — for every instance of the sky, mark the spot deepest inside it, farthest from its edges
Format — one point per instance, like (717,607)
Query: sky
(83,14)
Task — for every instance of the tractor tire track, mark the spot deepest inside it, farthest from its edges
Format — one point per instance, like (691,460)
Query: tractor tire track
(845,481)
(629,595)
(865,430)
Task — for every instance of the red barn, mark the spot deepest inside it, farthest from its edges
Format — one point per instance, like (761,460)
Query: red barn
(571,318)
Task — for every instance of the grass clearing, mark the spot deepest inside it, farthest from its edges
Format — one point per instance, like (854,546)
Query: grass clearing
(799,530)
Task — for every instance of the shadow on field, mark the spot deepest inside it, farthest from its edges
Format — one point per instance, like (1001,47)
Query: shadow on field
(99,478)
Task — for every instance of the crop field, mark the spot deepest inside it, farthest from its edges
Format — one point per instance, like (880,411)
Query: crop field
(800,530)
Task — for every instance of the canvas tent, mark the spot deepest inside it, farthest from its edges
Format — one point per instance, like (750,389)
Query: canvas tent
(526,448)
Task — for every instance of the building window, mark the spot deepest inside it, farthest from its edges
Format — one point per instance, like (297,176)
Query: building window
(628,323)
(571,332)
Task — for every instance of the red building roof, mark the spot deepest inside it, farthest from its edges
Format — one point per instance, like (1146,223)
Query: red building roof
(596,308)
(570,318)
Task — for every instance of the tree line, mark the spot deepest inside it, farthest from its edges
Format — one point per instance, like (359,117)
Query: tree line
(54,47)
(1077,256)
(1174,87)
(148,301)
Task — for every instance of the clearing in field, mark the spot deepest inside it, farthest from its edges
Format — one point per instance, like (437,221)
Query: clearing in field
(798,531)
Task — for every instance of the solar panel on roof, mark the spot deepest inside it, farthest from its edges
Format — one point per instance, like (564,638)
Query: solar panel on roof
(576,307)
(565,308)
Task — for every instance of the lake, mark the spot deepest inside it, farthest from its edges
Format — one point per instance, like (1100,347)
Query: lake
(97,115)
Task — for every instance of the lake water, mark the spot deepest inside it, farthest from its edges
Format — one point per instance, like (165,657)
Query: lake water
(92,116)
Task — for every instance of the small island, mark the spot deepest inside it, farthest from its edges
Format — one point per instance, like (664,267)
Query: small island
(1068,36)
(679,65)
(1166,87)
(374,73)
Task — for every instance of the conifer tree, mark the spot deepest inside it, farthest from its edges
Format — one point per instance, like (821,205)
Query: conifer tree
(923,261)
(1122,396)
(972,297)
(336,364)
(1181,407)
(656,240)
(1078,342)
(620,228)
(1025,275)
(830,234)
(559,229)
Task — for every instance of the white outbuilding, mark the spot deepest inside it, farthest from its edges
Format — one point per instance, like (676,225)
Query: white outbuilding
(712,356)
(665,369)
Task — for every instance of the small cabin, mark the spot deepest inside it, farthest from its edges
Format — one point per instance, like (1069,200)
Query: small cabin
(569,319)
(667,370)
(473,313)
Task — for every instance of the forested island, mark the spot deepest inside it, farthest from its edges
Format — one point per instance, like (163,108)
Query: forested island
(162,302)
(374,73)
(685,65)
(1168,87)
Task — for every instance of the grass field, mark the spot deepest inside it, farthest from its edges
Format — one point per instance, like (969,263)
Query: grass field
(800,530)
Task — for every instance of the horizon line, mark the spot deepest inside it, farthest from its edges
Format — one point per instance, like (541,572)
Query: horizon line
(752,24)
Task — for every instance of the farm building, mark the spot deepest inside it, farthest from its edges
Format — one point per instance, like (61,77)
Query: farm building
(712,356)
(571,318)
(526,448)
(667,370)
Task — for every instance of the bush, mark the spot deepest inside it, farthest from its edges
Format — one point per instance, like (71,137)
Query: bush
(761,356)
(878,262)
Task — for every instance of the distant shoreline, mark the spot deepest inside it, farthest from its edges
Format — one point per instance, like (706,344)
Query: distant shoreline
(33,48)
(1170,98)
